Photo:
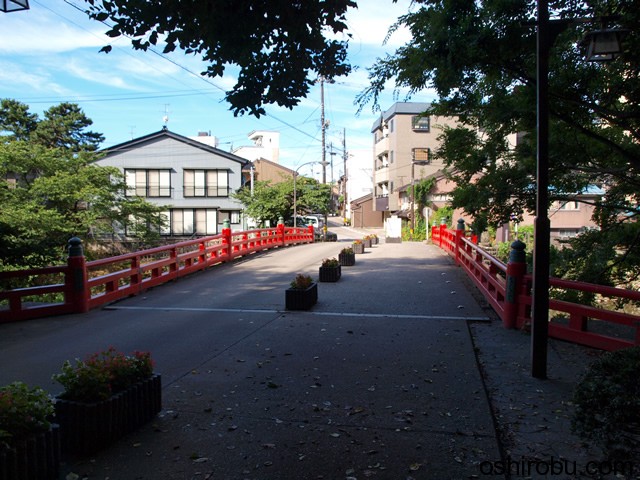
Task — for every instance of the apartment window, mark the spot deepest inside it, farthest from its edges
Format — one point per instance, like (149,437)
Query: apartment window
(391,126)
(391,156)
(147,183)
(391,187)
(421,155)
(420,124)
(194,221)
(206,183)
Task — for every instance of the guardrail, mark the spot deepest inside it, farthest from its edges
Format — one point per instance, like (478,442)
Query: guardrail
(85,285)
(508,288)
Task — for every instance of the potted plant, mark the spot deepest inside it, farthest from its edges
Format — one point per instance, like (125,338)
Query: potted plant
(367,241)
(358,246)
(106,396)
(302,293)
(374,239)
(29,442)
(346,257)
(330,270)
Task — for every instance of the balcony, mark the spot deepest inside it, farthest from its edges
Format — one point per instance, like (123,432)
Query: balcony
(381,175)
(381,146)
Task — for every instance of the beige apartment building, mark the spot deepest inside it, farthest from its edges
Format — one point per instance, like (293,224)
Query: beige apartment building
(403,141)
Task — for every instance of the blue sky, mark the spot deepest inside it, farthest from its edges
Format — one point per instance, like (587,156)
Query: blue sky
(50,54)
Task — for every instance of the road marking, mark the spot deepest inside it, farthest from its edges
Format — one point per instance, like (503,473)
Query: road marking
(306,312)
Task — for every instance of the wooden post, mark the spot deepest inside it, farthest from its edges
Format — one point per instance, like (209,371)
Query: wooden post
(226,240)
(459,235)
(516,269)
(76,288)
(280,231)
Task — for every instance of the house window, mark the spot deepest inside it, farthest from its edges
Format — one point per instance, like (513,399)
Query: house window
(206,183)
(391,126)
(421,124)
(421,155)
(569,206)
(232,215)
(390,187)
(148,183)
(391,156)
(193,221)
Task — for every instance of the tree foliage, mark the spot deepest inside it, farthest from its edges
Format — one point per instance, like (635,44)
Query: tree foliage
(277,45)
(480,57)
(272,201)
(50,189)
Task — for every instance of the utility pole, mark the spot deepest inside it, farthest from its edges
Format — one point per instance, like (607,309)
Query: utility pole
(324,152)
(324,127)
(344,160)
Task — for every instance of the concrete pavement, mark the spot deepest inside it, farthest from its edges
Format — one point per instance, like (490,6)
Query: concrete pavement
(379,380)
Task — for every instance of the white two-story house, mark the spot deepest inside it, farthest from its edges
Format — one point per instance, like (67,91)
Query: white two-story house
(194,180)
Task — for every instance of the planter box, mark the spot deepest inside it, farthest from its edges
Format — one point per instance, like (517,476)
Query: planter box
(366,242)
(297,299)
(330,274)
(37,459)
(347,259)
(358,248)
(85,428)
(375,241)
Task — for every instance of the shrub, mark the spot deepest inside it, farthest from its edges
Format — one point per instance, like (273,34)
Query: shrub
(23,412)
(607,401)
(330,262)
(347,251)
(301,282)
(103,374)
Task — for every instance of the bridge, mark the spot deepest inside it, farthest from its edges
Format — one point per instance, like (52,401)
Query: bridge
(380,372)
(380,377)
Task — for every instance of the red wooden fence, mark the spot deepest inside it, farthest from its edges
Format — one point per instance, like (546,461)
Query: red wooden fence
(507,287)
(85,285)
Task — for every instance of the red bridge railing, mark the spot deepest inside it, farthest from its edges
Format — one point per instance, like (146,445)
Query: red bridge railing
(507,287)
(85,285)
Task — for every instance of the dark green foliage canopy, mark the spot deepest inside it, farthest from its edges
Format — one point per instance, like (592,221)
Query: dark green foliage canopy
(277,45)
(50,189)
(480,57)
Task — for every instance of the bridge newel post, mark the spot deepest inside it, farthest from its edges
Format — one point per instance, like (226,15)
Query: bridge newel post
(443,228)
(516,269)
(76,287)
(311,232)
(459,234)
(226,238)
(280,231)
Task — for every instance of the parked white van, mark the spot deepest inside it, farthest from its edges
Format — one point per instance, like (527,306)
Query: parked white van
(315,220)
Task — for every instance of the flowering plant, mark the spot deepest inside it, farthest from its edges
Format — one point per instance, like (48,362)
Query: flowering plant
(357,242)
(301,282)
(23,412)
(330,262)
(347,251)
(102,374)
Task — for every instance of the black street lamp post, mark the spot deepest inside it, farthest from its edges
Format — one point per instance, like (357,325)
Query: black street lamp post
(607,48)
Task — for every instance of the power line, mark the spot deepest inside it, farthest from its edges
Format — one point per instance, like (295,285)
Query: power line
(190,72)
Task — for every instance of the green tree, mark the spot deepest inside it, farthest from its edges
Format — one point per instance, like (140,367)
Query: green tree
(280,47)
(271,201)
(480,57)
(51,193)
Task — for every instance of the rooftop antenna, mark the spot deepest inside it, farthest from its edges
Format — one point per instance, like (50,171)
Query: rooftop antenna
(165,117)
